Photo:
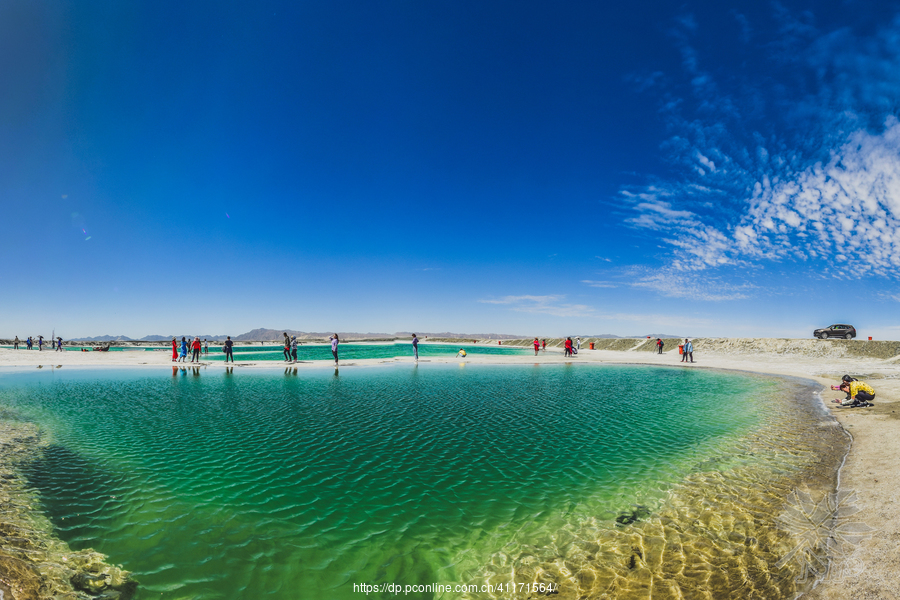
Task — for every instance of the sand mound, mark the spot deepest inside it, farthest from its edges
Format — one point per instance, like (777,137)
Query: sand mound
(741,346)
(812,347)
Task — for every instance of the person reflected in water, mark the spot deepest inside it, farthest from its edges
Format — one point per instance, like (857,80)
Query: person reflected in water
(335,340)
(195,346)
(687,351)
(229,345)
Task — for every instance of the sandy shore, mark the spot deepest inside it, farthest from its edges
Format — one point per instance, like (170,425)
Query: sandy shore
(867,570)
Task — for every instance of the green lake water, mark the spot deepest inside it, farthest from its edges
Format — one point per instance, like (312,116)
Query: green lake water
(207,484)
(347,352)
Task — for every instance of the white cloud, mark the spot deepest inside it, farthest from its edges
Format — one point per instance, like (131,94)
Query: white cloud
(599,284)
(818,184)
(548,305)
(676,283)
(520,299)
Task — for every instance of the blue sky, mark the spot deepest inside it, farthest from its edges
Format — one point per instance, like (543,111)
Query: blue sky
(705,168)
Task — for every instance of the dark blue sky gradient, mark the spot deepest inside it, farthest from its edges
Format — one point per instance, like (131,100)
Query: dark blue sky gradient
(383,166)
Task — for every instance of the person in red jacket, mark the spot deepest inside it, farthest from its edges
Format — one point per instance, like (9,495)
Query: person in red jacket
(195,346)
(568,346)
(537,346)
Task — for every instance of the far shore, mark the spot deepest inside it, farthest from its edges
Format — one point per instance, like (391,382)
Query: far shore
(870,469)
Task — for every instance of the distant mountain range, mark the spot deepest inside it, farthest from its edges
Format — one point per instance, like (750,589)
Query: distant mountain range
(266,335)
(149,338)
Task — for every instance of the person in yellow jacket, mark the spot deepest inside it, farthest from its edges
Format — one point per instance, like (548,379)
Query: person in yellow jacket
(859,393)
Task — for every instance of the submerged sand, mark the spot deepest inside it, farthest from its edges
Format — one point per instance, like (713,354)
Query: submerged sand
(866,569)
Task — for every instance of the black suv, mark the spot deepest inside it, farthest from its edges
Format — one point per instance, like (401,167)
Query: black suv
(843,331)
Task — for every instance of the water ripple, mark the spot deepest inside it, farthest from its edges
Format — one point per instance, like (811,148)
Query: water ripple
(238,486)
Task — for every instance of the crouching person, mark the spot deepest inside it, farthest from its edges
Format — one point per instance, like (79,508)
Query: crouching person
(859,393)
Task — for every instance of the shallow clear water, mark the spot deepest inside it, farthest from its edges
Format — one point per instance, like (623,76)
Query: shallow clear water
(298,485)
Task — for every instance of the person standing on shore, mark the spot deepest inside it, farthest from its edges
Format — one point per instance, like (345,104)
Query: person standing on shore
(568,346)
(16,343)
(294,348)
(544,345)
(205,346)
(28,343)
(174,349)
(184,349)
(40,343)
(195,346)
(59,344)
(334,344)
(537,346)
(415,344)
(577,345)
(228,348)
(659,346)
(287,347)
(687,351)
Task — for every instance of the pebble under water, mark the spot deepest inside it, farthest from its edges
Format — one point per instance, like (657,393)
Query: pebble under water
(601,480)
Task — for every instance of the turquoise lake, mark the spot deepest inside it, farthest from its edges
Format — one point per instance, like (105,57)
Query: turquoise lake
(207,484)
(348,351)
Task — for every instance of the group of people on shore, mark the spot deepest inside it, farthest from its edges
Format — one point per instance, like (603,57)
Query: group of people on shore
(570,347)
(194,348)
(687,349)
(291,343)
(30,343)
(539,346)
